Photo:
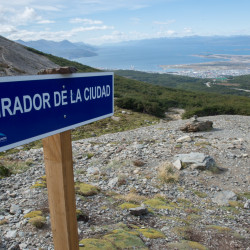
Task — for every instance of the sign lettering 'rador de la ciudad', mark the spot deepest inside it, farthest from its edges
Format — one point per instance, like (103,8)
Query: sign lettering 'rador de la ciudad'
(34,107)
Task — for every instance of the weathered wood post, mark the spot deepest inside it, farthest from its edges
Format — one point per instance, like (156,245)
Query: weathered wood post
(60,182)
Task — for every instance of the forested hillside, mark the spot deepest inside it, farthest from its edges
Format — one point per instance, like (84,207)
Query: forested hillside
(229,87)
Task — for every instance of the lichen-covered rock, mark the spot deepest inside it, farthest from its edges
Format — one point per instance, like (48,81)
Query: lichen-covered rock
(86,189)
(197,126)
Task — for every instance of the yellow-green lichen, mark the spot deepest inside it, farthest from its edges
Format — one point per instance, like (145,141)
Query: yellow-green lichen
(41,183)
(95,244)
(157,203)
(128,205)
(33,214)
(186,245)
(151,233)
(219,228)
(38,221)
(200,194)
(86,189)
(123,239)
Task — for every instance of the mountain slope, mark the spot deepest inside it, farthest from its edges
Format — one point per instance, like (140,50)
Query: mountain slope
(64,48)
(15,59)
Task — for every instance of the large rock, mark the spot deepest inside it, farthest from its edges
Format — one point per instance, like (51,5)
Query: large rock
(197,126)
(138,211)
(194,160)
(222,198)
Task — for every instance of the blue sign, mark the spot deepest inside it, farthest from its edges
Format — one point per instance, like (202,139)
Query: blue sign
(34,107)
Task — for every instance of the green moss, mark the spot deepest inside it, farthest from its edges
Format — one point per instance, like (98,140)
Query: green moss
(123,239)
(86,189)
(236,204)
(193,217)
(158,204)
(219,228)
(200,194)
(186,245)
(95,244)
(33,214)
(4,172)
(38,221)
(151,233)
(128,205)
(245,195)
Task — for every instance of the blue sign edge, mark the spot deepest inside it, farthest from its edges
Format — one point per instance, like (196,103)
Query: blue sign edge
(55,76)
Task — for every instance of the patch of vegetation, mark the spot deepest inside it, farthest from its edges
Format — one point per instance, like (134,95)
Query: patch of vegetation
(95,244)
(3,222)
(219,228)
(235,204)
(244,195)
(151,233)
(86,189)
(38,221)
(200,194)
(123,239)
(158,203)
(166,173)
(132,196)
(128,205)
(33,214)
(8,167)
(186,245)
(4,172)
(41,183)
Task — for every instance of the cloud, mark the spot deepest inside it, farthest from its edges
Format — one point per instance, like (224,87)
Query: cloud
(164,22)
(85,21)
(188,30)
(45,22)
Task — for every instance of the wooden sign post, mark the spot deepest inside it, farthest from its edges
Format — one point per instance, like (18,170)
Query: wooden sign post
(61,192)
(60,182)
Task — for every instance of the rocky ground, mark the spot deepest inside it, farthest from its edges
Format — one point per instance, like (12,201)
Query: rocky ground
(186,209)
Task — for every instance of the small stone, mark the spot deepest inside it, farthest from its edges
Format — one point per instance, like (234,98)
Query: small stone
(14,209)
(185,138)
(247,204)
(177,164)
(11,234)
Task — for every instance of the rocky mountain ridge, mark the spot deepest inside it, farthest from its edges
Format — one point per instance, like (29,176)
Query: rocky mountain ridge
(15,59)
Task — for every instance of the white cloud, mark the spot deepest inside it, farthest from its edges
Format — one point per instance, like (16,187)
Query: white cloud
(90,28)
(164,22)
(86,21)
(45,22)
(188,30)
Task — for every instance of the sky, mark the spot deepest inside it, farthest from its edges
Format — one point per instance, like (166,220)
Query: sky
(99,22)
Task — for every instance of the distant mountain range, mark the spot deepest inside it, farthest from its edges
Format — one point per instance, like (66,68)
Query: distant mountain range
(64,48)
(148,54)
